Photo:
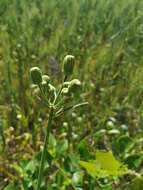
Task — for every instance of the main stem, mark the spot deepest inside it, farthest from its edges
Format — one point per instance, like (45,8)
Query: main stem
(45,148)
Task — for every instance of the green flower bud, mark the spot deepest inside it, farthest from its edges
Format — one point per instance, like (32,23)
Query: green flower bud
(45,87)
(36,92)
(33,86)
(44,83)
(74,85)
(68,65)
(51,87)
(79,119)
(52,92)
(46,78)
(65,91)
(66,84)
(36,75)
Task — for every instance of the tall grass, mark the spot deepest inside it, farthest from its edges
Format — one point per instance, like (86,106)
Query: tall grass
(106,38)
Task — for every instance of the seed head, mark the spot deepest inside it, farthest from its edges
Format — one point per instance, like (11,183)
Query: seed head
(68,65)
(36,75)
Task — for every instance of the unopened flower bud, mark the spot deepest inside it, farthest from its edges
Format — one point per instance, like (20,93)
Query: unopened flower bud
(52,92)
(45,87)
(51,87)
(33,86)
(68,65)
(44,83)
(66,84)
(36,75)
(36,92)
(74,85)
(46,78)
(65,91)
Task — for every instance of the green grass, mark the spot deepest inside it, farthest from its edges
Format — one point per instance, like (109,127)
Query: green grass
(106,38)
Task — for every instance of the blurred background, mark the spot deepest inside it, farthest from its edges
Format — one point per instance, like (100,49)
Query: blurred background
(106,38)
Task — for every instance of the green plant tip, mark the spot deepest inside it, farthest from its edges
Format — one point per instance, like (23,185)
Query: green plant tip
(68,65)
(46,78)
(51,87)
(74,85)
(65,91)
(36,75)
(66,84)
(45,87)
(52,92)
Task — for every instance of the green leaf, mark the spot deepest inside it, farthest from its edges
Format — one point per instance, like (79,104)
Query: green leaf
(52,141)
(134,160)
(31,166)
(124,144)
(109,164)
(11,186)
(83,149)
(136,184)
(91,168)
(105,165)
(62,147)
(107,161)
(52,145)
(19,170)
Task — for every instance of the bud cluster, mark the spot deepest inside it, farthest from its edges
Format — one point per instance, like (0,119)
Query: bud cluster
(42,86)
(55,98)
(72,86)
(46,91)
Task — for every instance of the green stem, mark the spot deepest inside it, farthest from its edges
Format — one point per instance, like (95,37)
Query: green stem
(45,148)
(59,93)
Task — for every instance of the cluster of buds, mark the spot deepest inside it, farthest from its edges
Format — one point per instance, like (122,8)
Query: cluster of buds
(41,84)
(54,98)
(70,87)
(46,91)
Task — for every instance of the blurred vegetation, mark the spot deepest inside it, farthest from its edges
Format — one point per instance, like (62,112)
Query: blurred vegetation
(106,37)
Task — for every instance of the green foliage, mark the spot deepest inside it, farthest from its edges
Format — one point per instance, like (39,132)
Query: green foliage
(104,165)
(136,184)
(106,39)
(134,160)
(10,187)
(124,144)
(52,97)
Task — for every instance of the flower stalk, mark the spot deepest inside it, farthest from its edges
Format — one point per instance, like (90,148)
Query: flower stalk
(55,99)
(45,148)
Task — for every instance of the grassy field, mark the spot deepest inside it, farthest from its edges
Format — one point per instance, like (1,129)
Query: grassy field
(106,38)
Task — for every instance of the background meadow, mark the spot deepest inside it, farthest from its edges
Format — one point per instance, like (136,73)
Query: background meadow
(106,38)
